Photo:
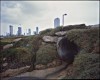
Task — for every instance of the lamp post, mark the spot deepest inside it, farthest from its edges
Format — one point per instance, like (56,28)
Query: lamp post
(63,19)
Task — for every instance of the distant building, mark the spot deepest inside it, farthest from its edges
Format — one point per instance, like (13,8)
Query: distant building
(24,34)
(7,34)
(56,22)
(11,30)
(29,31)
(19,31)
(34,32)
(37,30)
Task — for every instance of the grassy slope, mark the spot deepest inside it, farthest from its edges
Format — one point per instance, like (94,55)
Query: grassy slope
(86,63)
(18,54)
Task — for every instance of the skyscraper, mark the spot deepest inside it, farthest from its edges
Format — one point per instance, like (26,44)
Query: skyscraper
(19,31)
(29,31)
(34,32)
(56,22)
(37,30)
(11,30)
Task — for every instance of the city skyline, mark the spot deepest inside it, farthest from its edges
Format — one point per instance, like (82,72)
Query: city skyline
(29,14)
(19,31)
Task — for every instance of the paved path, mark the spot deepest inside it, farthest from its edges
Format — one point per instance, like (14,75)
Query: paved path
(39,74)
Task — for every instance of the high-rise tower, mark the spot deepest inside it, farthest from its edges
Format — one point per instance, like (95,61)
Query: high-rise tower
(19,31)
(37,30)
(11,30)
(29,31)
(56,22)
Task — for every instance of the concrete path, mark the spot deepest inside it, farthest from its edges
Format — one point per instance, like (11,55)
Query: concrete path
(39,74)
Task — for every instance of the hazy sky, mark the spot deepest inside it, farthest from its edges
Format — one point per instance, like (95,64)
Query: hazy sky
(30,14)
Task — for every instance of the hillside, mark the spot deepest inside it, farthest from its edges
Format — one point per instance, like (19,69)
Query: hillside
(33,51)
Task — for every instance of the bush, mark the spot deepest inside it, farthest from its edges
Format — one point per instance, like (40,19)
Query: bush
(80,26)
(85,38)
(86,63)
(45,32)
(8,53)
(32,43)
(23,55)
(20,54)
(85,66)
(51,32)
(23,42)
(46,54)
(91,73)
(35,43)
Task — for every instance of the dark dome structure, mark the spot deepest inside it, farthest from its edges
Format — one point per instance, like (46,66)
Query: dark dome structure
(67,50)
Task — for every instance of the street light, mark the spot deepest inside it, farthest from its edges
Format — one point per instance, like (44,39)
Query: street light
(63,19)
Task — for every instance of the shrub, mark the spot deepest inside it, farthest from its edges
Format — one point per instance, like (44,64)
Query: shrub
(20,54)
(8,53)
(23,42)
(35,43)
(46,54)
(45,32)
(80,26)
(85,38)
(86,63)
(51,32)
(85,66)
(91,73)
(31,43)
(23,55)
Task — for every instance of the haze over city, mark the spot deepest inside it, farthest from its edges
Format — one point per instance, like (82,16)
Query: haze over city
(32,14)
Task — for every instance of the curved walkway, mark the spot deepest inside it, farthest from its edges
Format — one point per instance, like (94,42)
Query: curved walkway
(40,74)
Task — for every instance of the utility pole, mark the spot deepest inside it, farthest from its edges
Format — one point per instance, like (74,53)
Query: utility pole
(63,19)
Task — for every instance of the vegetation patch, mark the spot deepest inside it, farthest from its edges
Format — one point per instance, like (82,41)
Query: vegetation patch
(86,39)
(4,43)
(46,54)
(86,63)
(51,32)
(85,66)
(23,55)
